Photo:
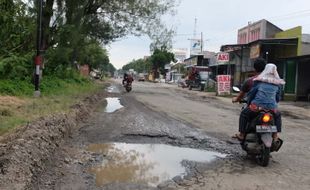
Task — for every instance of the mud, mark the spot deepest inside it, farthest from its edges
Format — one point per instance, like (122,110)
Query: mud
(24,152)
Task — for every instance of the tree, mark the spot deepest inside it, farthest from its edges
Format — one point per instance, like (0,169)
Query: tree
(160,58)
(140,65)
(104,20)
(69,25)
(161,38)
(17,28)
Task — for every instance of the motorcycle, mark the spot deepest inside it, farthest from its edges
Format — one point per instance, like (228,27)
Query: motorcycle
(200,84)
(200,81)
(258,141)
(128,86)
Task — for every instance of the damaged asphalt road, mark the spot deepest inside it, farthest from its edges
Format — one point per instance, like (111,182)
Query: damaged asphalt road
(162,137)
(74,166)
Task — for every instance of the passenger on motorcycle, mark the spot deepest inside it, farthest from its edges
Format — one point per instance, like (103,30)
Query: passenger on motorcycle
(259,66)
(265,94)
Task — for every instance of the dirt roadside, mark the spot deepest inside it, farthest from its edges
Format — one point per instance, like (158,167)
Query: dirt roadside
(24,152)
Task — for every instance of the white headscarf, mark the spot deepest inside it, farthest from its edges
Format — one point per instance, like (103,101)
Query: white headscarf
(270,75)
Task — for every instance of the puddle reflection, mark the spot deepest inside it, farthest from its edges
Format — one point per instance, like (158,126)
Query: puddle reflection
(113,104)
(144,163)
(113,89)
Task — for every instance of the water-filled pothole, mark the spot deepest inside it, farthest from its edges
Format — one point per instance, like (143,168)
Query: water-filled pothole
(112,89)
(113,104)
(149,164)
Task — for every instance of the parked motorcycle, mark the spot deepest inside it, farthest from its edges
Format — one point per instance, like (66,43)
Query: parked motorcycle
(200,81)
(200,84)
(258,139)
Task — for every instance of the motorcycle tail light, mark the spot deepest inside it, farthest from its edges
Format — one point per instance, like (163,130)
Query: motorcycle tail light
(266,118)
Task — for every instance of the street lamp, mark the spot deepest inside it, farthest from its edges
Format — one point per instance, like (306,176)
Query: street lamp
(267,56)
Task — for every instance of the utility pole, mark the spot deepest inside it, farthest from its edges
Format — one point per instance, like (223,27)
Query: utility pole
(38,59)
(201,41)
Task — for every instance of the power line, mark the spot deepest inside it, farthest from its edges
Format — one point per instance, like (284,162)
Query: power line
(292,17)
(290,14)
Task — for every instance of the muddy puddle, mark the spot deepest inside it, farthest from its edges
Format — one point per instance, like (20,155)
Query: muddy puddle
(149,164)
(113,104)
(112,89)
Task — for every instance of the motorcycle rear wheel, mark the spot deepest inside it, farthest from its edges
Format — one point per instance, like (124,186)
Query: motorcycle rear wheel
(263,158)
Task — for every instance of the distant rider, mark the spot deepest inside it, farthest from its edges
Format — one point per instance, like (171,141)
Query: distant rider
(127,78)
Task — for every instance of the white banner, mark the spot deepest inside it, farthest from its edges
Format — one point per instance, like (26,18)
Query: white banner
(196,47)
(223,84)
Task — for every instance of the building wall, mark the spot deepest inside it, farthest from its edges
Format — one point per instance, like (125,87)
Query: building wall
(305,49)
(292,33)
(258,30)
(251,32)
(271,30)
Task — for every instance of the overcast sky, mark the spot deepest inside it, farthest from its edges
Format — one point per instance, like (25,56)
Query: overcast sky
(219,21)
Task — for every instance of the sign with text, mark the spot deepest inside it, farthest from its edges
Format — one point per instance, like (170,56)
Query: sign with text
(223,84)
(223,57)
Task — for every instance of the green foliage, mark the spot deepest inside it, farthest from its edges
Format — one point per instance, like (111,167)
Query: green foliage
(160,58)
(74,32)
(140,65)
(17,27)
(16,67)
(54,85)
(16,87)
(95,56)
(49,85)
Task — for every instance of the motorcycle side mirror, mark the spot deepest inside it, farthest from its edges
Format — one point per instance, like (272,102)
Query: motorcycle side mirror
(236,89)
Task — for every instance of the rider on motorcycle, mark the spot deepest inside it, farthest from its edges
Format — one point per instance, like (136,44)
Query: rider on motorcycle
(127,78)
(264,94)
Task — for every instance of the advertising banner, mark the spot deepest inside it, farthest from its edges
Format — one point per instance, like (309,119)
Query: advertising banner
(223,84)
(222,57)
(195,47)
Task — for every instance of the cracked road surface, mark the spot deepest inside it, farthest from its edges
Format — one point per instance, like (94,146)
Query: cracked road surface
(161,114)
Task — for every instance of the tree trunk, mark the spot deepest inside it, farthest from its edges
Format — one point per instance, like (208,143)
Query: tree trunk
(46,29)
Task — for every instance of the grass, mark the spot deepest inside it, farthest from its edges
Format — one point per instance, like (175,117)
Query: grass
(18,110)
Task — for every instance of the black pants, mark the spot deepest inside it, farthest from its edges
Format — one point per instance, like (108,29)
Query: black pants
(247,114)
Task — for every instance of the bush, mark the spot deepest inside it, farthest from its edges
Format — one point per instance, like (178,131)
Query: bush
(16,87)
(16,67)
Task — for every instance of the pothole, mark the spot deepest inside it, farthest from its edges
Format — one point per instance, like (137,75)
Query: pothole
(113,104)
(149,164)
(113,89)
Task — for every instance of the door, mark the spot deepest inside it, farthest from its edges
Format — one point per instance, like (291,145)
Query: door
(290,77)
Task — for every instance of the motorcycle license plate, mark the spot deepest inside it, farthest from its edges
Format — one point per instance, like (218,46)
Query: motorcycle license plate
(266,128)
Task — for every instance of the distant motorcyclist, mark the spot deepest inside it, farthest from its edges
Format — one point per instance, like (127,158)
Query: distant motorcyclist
(127,78)
(124,78)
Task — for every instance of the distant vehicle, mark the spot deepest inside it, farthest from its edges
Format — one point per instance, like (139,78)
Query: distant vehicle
(141,77)
(199,80)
